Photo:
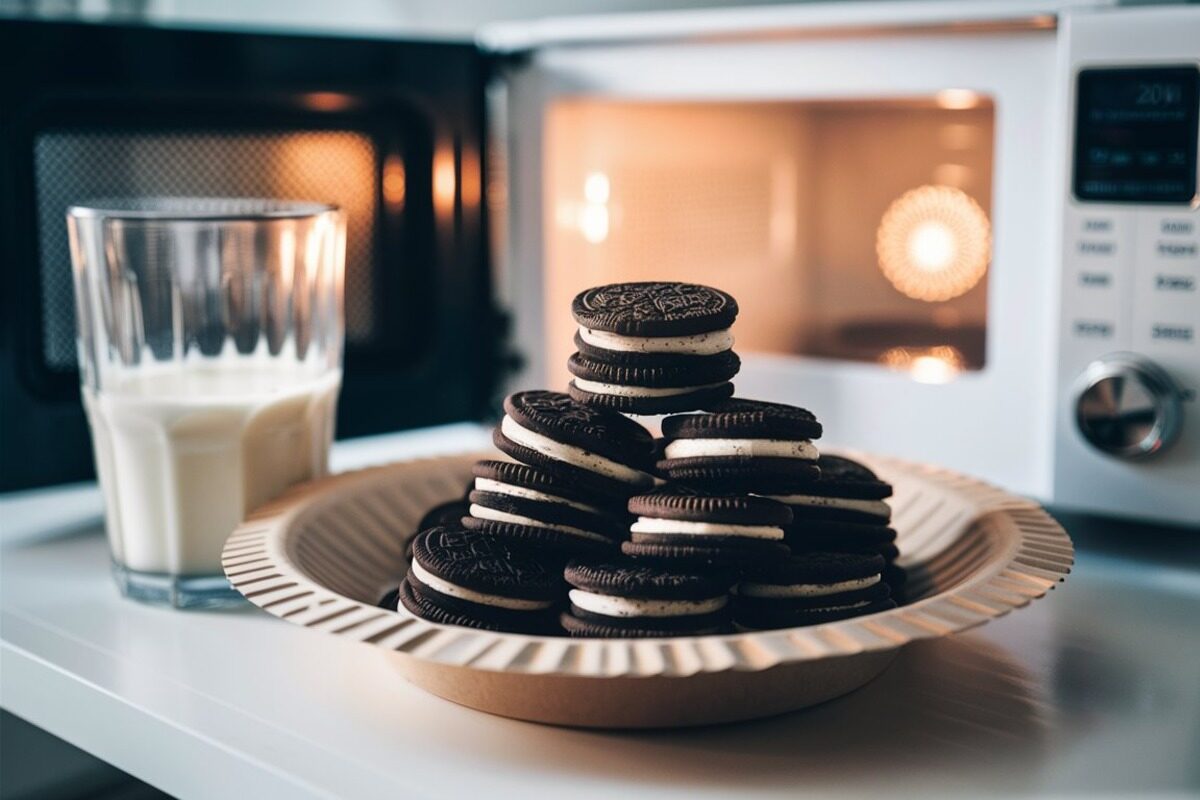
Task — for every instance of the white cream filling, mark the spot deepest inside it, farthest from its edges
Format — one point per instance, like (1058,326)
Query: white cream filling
(610,606)
(596,387)
(571,454)
(685,528)
(462,593)
(775,448)
(749,589)
(497,487)
(877,508)
(847,607)
(482,512)
(699,344)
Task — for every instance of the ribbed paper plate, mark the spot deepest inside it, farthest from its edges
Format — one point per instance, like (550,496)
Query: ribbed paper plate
(323,554)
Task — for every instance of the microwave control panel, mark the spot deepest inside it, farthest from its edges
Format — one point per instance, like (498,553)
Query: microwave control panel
(1128,417)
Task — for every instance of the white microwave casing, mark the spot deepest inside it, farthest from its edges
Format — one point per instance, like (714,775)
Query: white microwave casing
(1012,422)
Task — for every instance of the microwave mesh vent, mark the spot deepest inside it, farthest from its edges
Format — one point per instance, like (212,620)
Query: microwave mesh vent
(72,167)
(718,215)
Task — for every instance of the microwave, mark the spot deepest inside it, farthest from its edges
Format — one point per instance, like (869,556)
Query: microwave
(392,132)
(962,234)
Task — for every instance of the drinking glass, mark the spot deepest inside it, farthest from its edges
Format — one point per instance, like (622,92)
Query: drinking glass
(210,348)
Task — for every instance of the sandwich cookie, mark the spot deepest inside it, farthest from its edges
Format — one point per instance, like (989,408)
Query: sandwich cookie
(444,514)
(635,599)
(845,491)
(461,577)
(742,445)
(686,525)
(663,388)
(810,588)
(551,526)
(541,484)
(653,347)
(818,535)
(599,451)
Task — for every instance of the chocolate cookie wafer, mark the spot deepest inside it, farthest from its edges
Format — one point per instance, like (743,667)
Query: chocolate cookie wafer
(461,577)
(684,524)
(627,598)
(742,445)
(810,588)
(603,453)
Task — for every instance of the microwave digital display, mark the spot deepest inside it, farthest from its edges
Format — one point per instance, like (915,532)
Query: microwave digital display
(1135,134)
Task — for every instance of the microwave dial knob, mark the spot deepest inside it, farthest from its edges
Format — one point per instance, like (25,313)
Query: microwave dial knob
(1128,407)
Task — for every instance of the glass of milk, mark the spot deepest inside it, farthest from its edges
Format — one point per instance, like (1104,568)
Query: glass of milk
(210,349)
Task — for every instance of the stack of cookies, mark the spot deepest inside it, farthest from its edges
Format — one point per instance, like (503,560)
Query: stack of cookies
(732,520)
(845,510)
(653,348)
(810,588)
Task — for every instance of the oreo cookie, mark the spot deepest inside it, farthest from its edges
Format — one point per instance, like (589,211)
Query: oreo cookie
(461,577)
(443,514)
(550,527)
(739,418)
(742,445)
(661,387)
(719,552)
(650,360)
(810,588)
(654,309)
(686,524)
(625,598)
(539,483)
(805,535)
(653,348)
(800,618)
(846,490)
(600,451)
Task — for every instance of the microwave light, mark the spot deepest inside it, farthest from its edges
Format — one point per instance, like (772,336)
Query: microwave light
(445,181)
(934,243)
(394,182)
(596,188)
(932,365)
(957,99)
(593,223)
(932,247)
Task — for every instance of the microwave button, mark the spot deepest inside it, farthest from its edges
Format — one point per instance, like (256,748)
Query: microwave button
(1092,329)
(1093,247)
(1168,249)
(1170,226)
(1095,279)
(1127,407)
(1165,282)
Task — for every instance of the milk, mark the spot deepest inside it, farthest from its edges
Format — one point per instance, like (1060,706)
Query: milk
(185,450)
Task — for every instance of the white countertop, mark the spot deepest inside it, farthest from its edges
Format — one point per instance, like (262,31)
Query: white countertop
(1095,689)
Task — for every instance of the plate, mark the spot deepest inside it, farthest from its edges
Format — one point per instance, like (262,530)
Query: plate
(324,553)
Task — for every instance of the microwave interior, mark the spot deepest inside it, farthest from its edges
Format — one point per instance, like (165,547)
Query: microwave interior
(857,229)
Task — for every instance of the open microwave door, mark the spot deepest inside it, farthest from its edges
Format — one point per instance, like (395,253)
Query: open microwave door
(877,193)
